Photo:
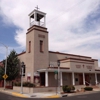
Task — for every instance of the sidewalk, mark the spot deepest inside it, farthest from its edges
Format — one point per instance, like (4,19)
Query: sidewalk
(45,94)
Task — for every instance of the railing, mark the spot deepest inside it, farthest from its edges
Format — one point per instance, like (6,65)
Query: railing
(98,83)
(88,83)
(37,23)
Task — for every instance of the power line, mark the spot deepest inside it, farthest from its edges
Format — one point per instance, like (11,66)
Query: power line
(66,11)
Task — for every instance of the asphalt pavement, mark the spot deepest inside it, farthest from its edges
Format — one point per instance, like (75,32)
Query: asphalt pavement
(91,96)
(46,94)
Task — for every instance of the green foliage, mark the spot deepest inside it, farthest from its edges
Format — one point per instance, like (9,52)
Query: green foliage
(25,84)
(17,84)
(12,66)
(68,88)
(1,72)
(88,88)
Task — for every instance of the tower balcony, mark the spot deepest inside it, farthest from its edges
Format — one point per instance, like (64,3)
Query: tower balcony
(38,23)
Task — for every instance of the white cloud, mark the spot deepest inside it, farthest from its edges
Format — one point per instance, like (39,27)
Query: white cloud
(63,18)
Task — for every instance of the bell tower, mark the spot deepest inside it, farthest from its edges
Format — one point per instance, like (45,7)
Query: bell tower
(36,43)
(37,17)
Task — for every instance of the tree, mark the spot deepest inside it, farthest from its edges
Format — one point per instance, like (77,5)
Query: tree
(12,66)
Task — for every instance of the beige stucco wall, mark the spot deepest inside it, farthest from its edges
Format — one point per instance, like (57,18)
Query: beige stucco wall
(83,66)
(40,59)
(53,57)
(65,64)
(67,78)
(92,79)
(36,60)
(76,76)
(52,81)
(29,56)
(96,64)
(22,57)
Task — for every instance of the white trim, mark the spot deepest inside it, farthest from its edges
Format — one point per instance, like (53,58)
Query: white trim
(83,79)
(96,79)
(73,78)
(65,70)
(61,81)
(46,78)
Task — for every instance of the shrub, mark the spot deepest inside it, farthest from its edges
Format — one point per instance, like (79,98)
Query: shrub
(17,84)
(88,88)
(28,84)
(67,88)
(25,84)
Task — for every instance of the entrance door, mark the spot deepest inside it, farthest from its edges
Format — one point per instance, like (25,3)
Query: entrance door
(80,79)
(42,79)
(87,79)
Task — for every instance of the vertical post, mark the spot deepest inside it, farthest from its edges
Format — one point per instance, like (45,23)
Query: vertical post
(83,79)
(58,62)
(22,73)
(35,19)
(30,22)
(61,81)
(5,66)
(96,79)
(73,79)
(22,80)
(45,21)
(46,78)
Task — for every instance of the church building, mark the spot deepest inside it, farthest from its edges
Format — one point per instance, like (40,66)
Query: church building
(42,66)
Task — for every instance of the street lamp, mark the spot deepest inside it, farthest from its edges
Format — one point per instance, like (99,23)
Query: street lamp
(22,74)
(58,63)
(5,64)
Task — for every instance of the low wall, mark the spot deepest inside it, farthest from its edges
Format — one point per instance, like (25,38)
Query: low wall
(41,89)
(35,89)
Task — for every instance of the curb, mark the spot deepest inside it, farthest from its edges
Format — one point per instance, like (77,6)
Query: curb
(19,95)
(53,96)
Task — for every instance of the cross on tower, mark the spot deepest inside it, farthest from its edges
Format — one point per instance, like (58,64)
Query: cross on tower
(37,7)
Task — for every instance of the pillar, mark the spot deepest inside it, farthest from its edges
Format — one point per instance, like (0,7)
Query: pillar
(73,78)
(46,78)
(44,21)
(83,79)
(29,21)
(96,79)
(35,18)
(61,81)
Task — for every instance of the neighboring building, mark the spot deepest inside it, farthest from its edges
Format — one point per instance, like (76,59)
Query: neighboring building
(41,64)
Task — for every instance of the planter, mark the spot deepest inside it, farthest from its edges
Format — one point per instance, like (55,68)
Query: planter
(82,90)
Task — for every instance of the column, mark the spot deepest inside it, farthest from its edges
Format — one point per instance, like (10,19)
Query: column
(45,21)
(35,19)
(96,79)
(29,21)
(61,81)
(73,78)
(46,78)
(83,79)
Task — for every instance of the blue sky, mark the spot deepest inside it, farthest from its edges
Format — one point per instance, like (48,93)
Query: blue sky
(73,25)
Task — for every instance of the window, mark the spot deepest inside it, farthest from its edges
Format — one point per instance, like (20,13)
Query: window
(29,46)
(41,46)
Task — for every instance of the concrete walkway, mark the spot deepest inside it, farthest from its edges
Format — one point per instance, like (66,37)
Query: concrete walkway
(45,94)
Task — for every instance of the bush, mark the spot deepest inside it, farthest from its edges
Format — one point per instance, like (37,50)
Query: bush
(17,84)
(28,84)
(25,84)
(88,88)
(67,88)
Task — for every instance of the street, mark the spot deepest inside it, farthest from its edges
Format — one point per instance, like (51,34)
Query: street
(92,96)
